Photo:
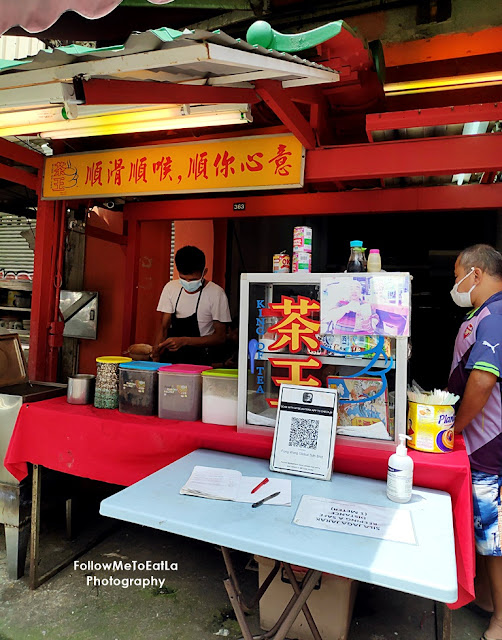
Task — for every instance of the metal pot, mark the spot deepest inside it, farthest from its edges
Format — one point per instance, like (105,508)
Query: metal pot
(81,389)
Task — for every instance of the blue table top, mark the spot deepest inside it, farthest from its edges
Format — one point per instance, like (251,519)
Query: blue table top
(426,569)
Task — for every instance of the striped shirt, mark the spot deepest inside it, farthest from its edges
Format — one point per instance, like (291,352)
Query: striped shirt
(479,346)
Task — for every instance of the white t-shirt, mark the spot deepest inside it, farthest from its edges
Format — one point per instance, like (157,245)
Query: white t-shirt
(213,304)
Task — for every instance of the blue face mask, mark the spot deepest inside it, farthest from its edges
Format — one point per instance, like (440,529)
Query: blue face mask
(191,286)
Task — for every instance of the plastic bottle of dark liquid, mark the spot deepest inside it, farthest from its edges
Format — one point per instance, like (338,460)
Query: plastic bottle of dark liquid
(357,260)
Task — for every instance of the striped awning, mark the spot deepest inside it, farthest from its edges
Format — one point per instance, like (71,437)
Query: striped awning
(35,16)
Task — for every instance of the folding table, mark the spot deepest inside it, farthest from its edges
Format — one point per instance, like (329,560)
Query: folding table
(425,569)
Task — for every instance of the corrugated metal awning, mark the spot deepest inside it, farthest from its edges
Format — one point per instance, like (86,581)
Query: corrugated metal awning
(166,55)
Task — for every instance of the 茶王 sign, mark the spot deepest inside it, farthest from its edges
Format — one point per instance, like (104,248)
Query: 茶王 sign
(230,164)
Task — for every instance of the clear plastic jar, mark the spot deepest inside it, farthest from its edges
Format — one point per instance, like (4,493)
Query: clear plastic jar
(106,395)
(374,261)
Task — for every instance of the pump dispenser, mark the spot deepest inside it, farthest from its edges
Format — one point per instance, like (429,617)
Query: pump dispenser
(400,473)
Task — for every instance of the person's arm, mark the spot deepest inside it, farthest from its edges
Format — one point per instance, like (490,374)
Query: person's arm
(477,391)
(216,338)
(161,335)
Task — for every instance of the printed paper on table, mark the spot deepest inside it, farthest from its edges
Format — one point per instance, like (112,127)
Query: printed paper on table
(355,518)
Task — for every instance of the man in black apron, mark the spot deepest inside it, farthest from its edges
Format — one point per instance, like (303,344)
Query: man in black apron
(194,310)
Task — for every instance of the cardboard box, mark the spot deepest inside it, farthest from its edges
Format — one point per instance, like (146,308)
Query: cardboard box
(330,605)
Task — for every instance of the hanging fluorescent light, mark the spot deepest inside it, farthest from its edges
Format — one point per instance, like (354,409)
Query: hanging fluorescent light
(100,121)
(449,83)
(470,129)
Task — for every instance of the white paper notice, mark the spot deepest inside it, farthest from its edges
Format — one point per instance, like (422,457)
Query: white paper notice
(356,518)
(212,482)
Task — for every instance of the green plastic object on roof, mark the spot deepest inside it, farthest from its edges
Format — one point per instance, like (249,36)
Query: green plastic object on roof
(261,33)
(346,42)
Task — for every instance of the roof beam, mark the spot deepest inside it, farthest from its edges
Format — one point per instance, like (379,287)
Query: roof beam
(101,91)
(18,176)
(410,199)
(288,113)
(21,154)
(242,59)
(433,117)
(444,155)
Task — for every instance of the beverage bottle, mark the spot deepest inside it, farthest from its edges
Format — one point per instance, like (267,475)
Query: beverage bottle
(374,260)
(357,260)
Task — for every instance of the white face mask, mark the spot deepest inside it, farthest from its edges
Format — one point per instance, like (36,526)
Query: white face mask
(191,286)
(462,298)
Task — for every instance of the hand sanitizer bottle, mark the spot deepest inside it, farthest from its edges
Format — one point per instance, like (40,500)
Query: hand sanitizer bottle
(400,473)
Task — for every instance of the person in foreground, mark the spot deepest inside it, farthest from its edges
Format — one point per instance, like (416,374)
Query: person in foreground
(476,376)
(194,313)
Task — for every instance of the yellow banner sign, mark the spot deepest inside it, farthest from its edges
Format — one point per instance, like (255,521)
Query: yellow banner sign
(232,164)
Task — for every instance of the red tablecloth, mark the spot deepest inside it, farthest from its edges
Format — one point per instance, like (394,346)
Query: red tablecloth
(122,449)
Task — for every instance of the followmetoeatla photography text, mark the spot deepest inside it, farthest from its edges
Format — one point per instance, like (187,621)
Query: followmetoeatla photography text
(92,580)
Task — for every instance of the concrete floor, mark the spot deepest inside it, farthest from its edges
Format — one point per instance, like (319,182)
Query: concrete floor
(191,605)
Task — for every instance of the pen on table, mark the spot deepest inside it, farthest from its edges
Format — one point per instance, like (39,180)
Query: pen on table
(263,482)
(260,502)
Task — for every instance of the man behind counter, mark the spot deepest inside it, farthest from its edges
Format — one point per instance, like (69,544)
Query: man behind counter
(194,311)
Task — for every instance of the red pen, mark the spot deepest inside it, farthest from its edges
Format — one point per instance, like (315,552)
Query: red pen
(263,482)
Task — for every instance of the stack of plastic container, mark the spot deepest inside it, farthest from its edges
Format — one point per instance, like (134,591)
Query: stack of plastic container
(302,250)
(219,396)
(180,391)
(138,387)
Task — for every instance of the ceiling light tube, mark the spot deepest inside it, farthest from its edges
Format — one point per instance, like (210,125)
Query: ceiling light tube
(129,119)
(181,122)
(442,84)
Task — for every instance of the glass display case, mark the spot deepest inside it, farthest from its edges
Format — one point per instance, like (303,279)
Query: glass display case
(289,334)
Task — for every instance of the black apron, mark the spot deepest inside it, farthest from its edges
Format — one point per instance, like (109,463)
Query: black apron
(188,327)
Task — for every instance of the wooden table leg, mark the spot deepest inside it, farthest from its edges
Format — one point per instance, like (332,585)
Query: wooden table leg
(35,526)
(444,623)
(305,609)
(447,623)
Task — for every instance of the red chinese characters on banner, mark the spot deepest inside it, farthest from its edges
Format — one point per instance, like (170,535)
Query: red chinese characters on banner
(223,164)
(164,168)
(281,159)
(296,374)
(296,328)
(251,164)
(94,173)
(115,173)
(198,166)
(63,176)
(137,172)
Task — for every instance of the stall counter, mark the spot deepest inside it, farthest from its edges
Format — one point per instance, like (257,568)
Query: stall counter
(117,448)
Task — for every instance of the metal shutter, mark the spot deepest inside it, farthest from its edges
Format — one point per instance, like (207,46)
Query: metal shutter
(16,255)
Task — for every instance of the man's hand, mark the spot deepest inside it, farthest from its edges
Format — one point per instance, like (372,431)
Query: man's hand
(477,391)
(173,344)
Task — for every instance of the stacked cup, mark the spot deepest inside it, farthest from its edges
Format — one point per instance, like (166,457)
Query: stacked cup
(302,250)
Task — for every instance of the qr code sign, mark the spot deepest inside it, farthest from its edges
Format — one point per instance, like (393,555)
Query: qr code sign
(304,433)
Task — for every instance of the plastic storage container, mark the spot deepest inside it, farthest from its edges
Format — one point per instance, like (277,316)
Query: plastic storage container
(219,396)
(180,391)
(138,387)
(106,395)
